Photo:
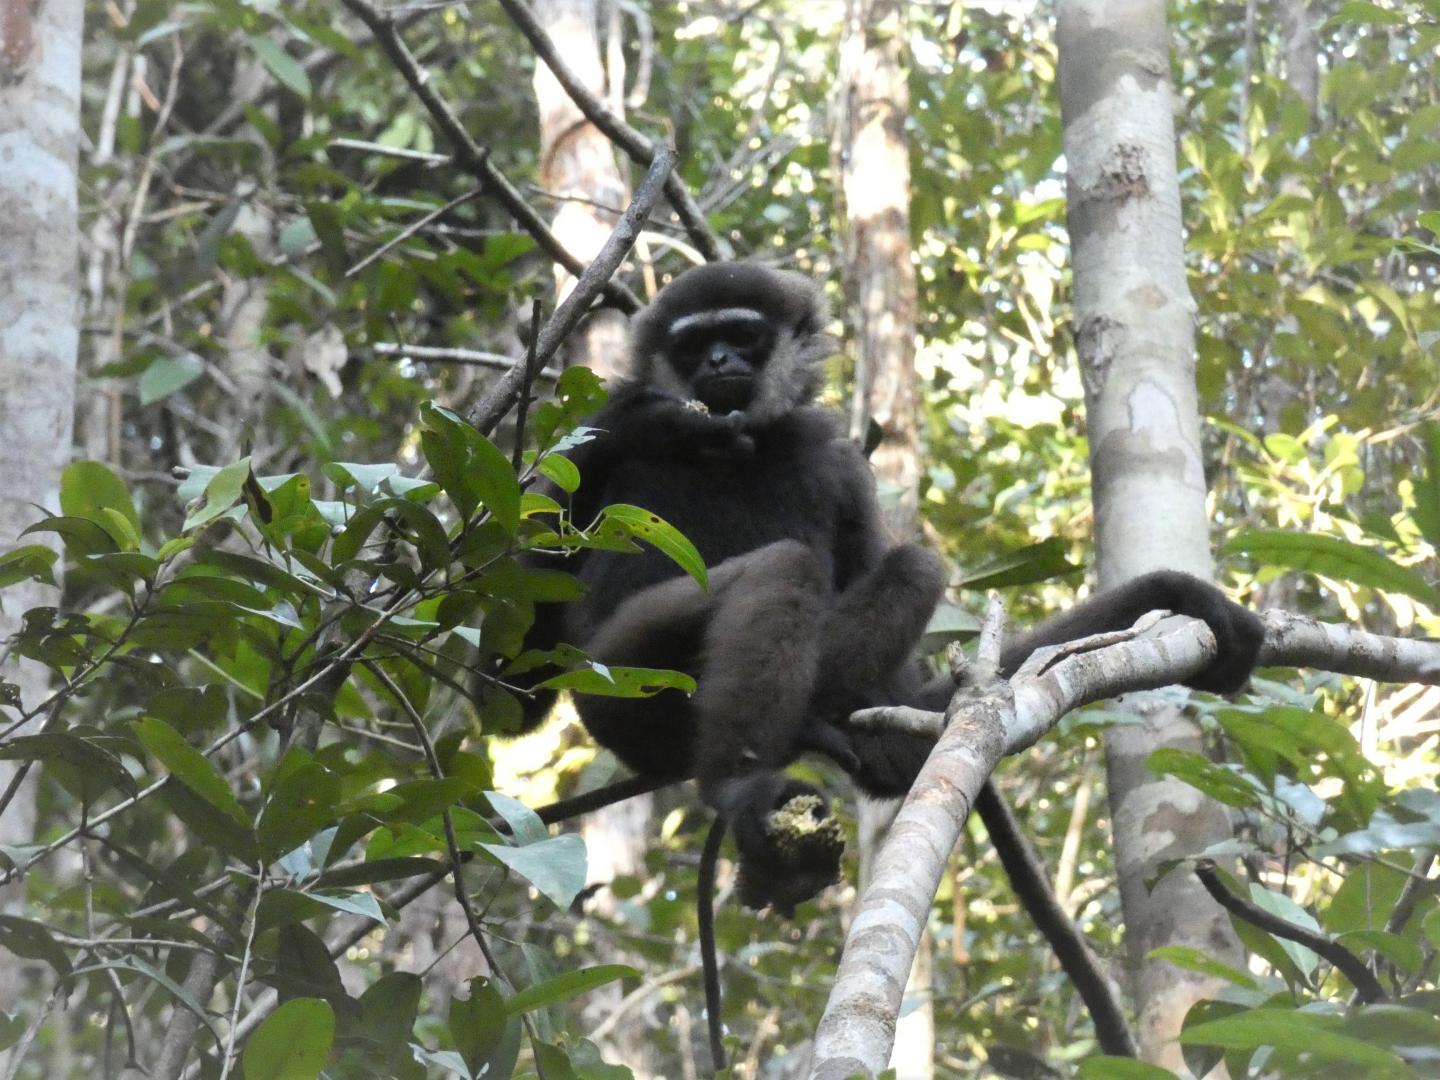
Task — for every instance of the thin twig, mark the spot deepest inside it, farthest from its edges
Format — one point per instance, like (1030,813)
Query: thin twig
(522,406)
(640,149)
(1351,966)
(469,155)
(442,354)
(567,314)
(413,228)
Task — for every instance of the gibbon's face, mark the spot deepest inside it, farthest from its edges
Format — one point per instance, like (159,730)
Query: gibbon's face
(721,355)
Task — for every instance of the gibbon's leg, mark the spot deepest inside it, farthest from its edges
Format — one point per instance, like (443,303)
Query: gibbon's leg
(873,628)
(759,657)
(870,636)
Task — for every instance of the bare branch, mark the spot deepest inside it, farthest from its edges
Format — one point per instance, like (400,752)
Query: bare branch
(445,355)
(640,149)
(1366,985)
(470,156)
(591,281)
(1297,641)
(857,1030)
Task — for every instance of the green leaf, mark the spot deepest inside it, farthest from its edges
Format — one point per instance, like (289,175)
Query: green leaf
(561,472)
(293,1042)
(567,986)
(354,903)
(302,804)
(1103,1067)
(1427,489)
(1037,562)
(1183,956)
(1295,1032)
(167,375)
(221,493)
(11,1028)
(189,766)
(282,65)
(28,562)
(555,866)
(624,682)
(623,519)
(1332,557)
(30,939)
(89,490)
(388,1008)
(82,762)
(477,1024)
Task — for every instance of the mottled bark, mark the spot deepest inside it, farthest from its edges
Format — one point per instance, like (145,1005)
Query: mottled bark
(1134,330)
(39,323)
(872,165)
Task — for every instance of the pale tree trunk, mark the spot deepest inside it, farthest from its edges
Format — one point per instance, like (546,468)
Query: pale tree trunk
(39,328)
(1134,330)
(578,168)
(1300,50)
(872,166)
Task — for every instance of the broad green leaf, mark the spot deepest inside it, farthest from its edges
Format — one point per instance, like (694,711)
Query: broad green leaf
(33,941)
(625,682)
(626,520)
(292,1043)
(388,1008)
(555,866)
(1427,488)
(1195,960)
(88,490)
(189,766)
(1103,1067)
(525,825)
(28,562)
(353,903)
(477,1024)
(1332,557)
(221,493)
(302,804)
(82,761)
(567,986)
(1037,562)
(1296,1032)
(169,374)
(288,70)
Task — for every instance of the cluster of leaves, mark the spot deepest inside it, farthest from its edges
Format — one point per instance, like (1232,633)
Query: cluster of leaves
(263,717)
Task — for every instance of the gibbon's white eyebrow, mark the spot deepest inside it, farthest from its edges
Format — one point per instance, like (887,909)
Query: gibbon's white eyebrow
(715,318)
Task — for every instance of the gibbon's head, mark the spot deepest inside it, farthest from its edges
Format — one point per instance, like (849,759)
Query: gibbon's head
(736,337)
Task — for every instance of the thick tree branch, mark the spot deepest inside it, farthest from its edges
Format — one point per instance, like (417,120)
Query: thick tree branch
(471,157)
(639,148)
(985,723)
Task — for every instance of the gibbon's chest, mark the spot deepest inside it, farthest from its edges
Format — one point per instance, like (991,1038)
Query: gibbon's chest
(727,505)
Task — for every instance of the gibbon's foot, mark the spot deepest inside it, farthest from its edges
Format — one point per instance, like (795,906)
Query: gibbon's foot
(790,847)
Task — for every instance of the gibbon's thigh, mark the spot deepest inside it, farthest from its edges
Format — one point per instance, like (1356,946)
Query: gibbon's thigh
(759,659)
(750,643)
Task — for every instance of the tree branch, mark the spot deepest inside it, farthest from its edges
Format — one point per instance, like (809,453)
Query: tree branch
(498,400)
(983,724)
(640,149)
(1351,966)
(470,156)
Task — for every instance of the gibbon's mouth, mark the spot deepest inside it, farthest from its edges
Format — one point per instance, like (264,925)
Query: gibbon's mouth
(726,393)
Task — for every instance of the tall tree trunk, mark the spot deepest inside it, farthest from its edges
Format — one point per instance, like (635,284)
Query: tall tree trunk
(872,165)
(578,168)
(39,321)
(1135,335)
